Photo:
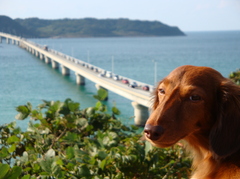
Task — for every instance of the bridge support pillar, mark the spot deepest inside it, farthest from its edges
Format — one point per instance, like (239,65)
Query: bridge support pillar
(65,71)
(20,44)
(80,80)
(41,56)
(36,53)
(0,39)
(54,64)
(13,41)
(100,87)
(33,51)
(47,60)
(141,114)
(7,40)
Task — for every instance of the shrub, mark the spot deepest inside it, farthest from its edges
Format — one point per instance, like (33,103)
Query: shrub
(235,76)
(63,141)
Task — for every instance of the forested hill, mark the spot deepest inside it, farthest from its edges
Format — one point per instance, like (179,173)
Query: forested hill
(10,26)
(90,27)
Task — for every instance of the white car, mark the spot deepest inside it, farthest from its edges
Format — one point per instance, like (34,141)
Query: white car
(133,85)
(103,72)
(116,77)
(109,74)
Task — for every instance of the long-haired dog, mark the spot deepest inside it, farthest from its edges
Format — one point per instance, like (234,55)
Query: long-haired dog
(200,106)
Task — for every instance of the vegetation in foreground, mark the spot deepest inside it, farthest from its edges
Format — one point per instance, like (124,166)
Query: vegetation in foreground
(63,141)
(235,76)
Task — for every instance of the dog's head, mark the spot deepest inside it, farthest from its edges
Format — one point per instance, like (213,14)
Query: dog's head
(194,100)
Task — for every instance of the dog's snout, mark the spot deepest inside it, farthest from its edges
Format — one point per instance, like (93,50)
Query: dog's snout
(153,132)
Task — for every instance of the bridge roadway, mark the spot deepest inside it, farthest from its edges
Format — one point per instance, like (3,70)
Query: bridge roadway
(140,98)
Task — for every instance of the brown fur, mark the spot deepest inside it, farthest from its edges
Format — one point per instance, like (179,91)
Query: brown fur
(200,106)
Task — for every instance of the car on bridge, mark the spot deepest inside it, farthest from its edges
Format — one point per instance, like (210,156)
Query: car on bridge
(45,47)
(116,77)
(133,85)
(95,69)
(145,88)
(125,81)
(108,74)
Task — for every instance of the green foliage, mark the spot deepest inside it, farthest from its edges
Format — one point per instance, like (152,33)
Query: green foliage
(235,76)
(90,27)
(10,26)
(63,141)
(102,94)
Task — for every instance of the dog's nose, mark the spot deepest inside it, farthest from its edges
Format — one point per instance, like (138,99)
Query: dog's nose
(153,132)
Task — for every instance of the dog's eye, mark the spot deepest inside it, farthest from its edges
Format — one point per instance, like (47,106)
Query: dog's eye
(195,98)
(161,91)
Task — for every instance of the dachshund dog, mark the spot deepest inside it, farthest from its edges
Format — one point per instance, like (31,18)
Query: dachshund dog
(200,106)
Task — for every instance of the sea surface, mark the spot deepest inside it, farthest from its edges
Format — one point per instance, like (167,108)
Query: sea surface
(24,78)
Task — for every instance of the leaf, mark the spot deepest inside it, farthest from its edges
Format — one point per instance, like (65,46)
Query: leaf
(102,94)
(4,168)
(73,106)
(36,167)
(69,106)
(70,152)
(15,172)
(59,161)
(55,107)
(50,153)
(3,153)
(57,171)
(90,111)
(115,110)
(71,136)
(37,115)
(106,140)
(102,155)
(98,105)
(70,166)
(113,135)
(26,177)
(12,148)
(45,131)
(13,139)
(17,130)
(84,171)
(46,165)
(103,164)
(24,157)
(83,122)
(24,111)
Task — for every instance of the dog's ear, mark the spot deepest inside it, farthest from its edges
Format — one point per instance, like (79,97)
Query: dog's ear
(225,134)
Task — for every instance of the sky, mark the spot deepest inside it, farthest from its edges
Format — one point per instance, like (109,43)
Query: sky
(188,15)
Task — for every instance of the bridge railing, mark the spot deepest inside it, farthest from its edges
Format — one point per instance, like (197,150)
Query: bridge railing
(98,69)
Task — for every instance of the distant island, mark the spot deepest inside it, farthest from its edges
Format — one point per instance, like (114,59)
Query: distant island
(87,27)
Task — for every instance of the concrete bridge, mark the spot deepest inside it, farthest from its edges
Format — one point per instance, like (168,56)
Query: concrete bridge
(140,98)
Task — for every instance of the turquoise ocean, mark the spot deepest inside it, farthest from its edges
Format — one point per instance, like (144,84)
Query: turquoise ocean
(24,78)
